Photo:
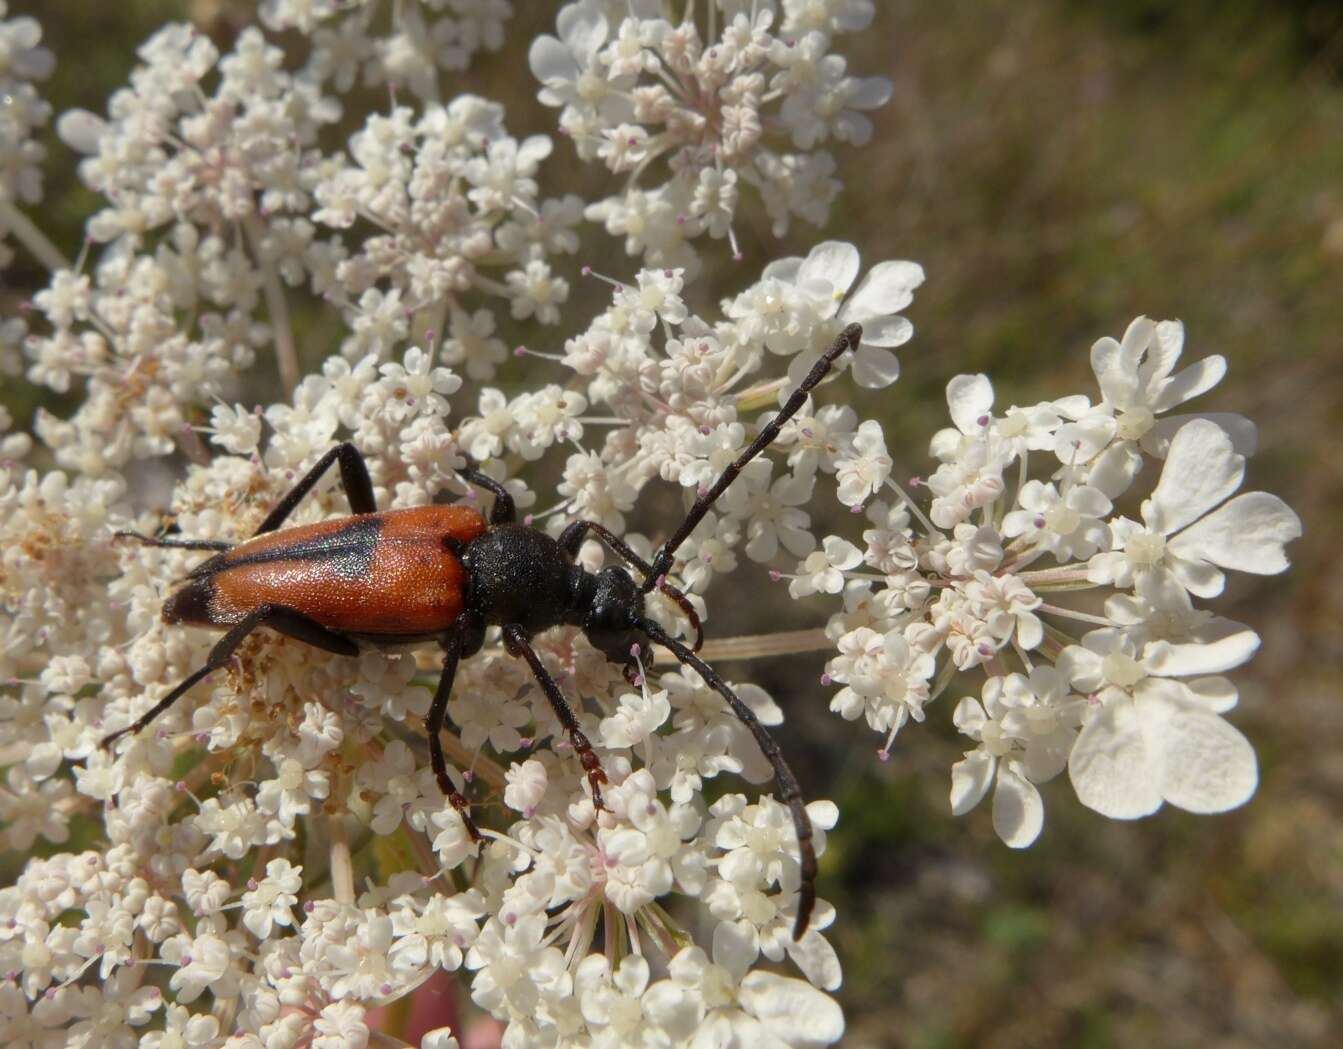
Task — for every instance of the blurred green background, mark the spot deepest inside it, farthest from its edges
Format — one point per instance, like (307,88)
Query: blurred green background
(1058,168)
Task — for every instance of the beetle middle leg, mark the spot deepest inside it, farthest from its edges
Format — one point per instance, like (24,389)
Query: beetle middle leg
(277,617)
(353,476)
(519,644)
(505,511)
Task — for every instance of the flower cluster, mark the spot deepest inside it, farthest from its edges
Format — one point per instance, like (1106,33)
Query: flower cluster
(272,861)
(981,578)
(421,38)
(692,115)
(22,110)
(218,203)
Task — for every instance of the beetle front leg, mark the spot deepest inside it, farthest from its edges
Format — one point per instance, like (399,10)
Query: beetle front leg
(434,725)
(519,644)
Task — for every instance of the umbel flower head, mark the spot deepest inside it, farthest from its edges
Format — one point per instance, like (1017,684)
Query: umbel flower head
(272,861)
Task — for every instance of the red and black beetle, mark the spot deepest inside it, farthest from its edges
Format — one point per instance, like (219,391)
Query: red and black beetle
(441,573)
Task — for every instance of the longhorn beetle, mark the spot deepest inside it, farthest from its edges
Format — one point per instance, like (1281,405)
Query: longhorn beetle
(441,573)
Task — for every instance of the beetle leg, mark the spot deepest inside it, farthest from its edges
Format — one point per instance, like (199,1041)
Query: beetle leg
(517,643)
(277,617)
(353,475)
(298,626)
(217,545)
(434,724)
(505,511)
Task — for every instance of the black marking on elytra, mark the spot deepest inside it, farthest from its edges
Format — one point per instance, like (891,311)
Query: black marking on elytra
(191,602)
(348,551)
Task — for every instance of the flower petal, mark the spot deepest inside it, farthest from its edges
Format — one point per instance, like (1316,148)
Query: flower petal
(791,1009)
(1111,767)
(1185,660)
(817,960)
(888,288)
(1245,535)
(970,398)
(970,781)
(1242,431)
(1018,812)
(835,262)
(886,331)
(874,367)
(1208,765)
(1199,377)
(1202,469)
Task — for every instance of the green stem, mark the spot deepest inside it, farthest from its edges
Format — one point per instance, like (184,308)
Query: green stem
(277,307)
(32,238)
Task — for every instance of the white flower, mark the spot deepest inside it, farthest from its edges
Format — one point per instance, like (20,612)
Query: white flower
(862,473)
(639,715)
(886,679)
(646,854)
(823,570)
(512,967)
(205,963)
(1190,529)
(268,903)
(340,1025)
(434,933)
(183,1029)
(235,429)
(1068,526)
(1025,730)
(527,783)
(611,1002)
(726,1004)
(1152,738)
(824,278)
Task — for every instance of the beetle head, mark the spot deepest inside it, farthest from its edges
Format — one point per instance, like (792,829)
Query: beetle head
(616,606)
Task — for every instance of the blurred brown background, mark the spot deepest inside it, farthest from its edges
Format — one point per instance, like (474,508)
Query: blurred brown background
(1058,168)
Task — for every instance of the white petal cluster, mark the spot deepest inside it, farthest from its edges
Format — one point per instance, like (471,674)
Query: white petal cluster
(420,42)
(23,61)
(1134,710)
(697,111)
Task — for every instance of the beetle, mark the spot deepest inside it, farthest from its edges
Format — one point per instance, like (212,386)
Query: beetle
(445,574)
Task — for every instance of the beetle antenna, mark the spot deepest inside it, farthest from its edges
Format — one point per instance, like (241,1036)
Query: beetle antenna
(662,563)
(789,792)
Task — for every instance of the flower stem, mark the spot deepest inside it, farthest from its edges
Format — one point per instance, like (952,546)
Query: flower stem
(32,238)
(277,307)
(757,646)
(342,865)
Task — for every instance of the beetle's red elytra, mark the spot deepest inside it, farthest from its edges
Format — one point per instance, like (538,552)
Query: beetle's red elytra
(374,574)
(445,574)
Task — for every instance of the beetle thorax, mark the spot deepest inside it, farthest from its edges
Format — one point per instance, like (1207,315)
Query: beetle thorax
(519,575)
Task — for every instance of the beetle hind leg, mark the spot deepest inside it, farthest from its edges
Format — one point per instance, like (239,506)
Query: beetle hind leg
(279,618)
